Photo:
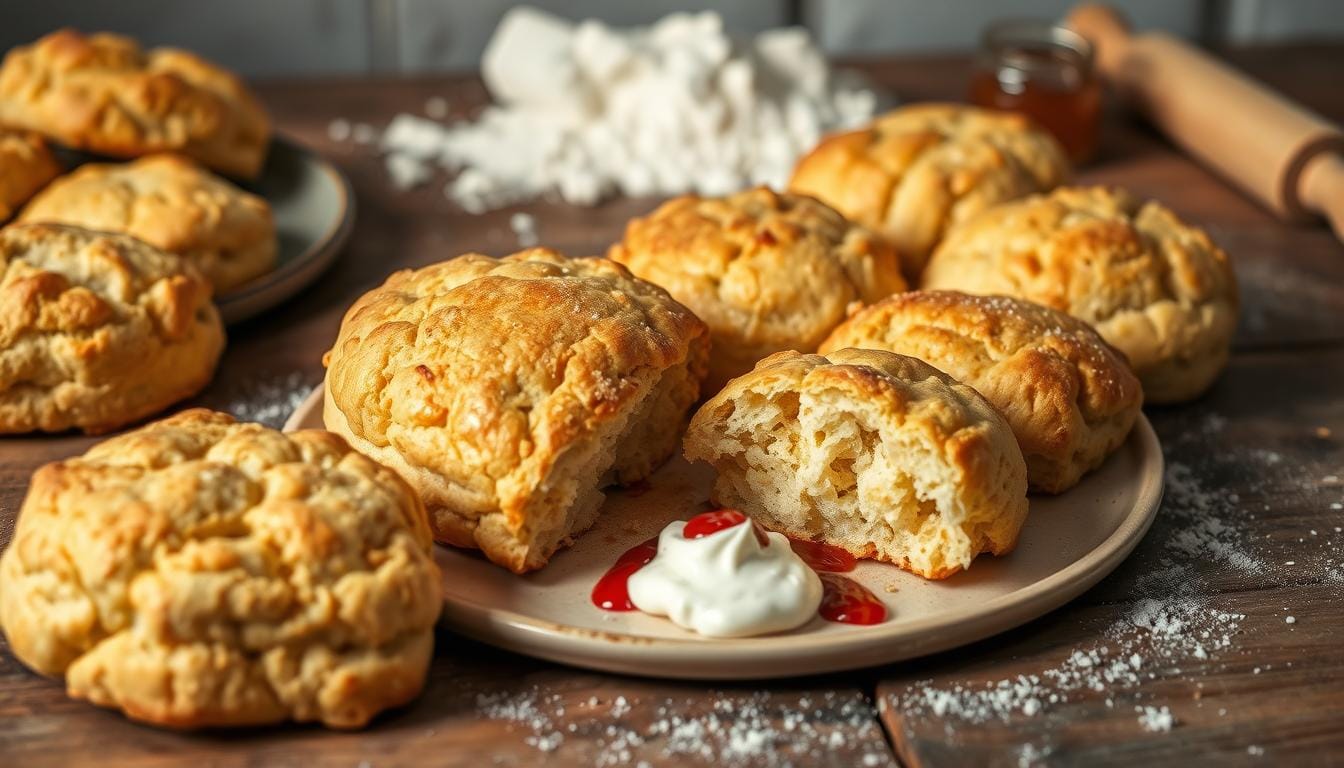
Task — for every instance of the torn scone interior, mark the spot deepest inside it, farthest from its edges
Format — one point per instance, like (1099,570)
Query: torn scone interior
(876,453)
(510,391)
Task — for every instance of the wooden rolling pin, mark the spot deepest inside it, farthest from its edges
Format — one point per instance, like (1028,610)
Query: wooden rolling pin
(1287,157)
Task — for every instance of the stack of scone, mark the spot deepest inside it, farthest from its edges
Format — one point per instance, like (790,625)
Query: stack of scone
(107,273)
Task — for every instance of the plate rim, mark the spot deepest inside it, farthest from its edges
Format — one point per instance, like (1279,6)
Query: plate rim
(249,300)
(856,648)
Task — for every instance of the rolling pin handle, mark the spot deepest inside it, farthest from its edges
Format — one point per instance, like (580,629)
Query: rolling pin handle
(1323,189)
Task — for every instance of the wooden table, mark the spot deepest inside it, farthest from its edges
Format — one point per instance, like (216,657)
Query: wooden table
(1196,621)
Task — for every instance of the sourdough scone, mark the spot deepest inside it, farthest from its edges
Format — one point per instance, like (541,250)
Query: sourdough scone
(766,271)
(1069,397)
(201,572)
(509,391)
(26,165)
(172,203)
(1155,287)
(97,330)
(877,453)
(919,170)
(103,93)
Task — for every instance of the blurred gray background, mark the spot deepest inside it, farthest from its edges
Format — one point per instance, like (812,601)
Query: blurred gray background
(312,37)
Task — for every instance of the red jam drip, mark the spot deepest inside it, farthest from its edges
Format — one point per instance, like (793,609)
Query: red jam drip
(717,520)
(823,557)
(848,602)
(612,592)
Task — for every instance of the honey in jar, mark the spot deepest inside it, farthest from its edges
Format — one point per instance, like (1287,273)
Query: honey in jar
(1045,72)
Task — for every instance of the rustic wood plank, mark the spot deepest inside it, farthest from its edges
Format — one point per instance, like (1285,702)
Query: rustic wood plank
(1251,525)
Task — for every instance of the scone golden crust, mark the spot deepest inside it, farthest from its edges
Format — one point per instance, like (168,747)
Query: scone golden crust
(172,203)
(103,93)
(766,271)
(202,572)
(1154,287)
(1069,397)
(97,330)
(508,391)
(26,165)
(919,170)
(877,453)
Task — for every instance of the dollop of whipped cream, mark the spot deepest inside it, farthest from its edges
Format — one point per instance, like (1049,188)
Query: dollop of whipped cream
(738,581)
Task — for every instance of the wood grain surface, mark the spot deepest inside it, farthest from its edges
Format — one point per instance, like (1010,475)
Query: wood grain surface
(1248,528)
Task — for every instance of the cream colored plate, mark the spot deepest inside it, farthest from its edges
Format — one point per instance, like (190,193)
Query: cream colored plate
(1068,544)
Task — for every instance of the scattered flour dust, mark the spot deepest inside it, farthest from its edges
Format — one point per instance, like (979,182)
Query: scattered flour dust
(270,399)
(742,728)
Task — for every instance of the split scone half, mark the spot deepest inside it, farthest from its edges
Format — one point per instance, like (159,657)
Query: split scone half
(1155,287)
(203,572)
(510,391)
(877,453)
(1069,397)
(766,271)
(173,204)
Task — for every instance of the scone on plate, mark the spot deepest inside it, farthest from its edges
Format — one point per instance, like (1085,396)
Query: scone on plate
(201,572)
(103,93)
(919,170)
(172,203)
(26,165)
(510,391)
(1069,397)
(766,271)
(97,330)
(877,453)
(1155,287)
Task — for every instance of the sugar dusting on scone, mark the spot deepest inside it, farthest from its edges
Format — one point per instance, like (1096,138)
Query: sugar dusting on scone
(98,330)
(1152,285)
(174,204)
(877,453)
(917,171)
(1069,397)
(509,391)
(104,93)
(767,271)
(202,572)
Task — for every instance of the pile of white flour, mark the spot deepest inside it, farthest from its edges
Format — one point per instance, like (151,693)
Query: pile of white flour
(584,111)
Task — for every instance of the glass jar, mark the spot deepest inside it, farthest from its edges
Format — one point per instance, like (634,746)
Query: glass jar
(1046,72)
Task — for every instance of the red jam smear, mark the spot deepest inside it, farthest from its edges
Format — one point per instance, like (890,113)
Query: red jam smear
(848,602)
(717,520)
(612,592)
(824,558)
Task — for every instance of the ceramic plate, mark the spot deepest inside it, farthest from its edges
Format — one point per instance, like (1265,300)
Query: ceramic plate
(314,211)
(1068,544)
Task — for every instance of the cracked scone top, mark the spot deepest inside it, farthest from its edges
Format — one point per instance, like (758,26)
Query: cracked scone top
(1069,397)
(879,454)
(103,93)
(202,572)
(508,391)
(1156,288)
(172,203)
(26,165)
(97,330)
(766,271)
(917,171)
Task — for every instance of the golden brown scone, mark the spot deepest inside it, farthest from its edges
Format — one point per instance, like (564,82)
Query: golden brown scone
(26,165)
(919,170)
(766,271)
(201,572)
(97,330)
(877,453)
(1153,286)
(1069,397)
(103,93)
(509,391)
(172,203)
